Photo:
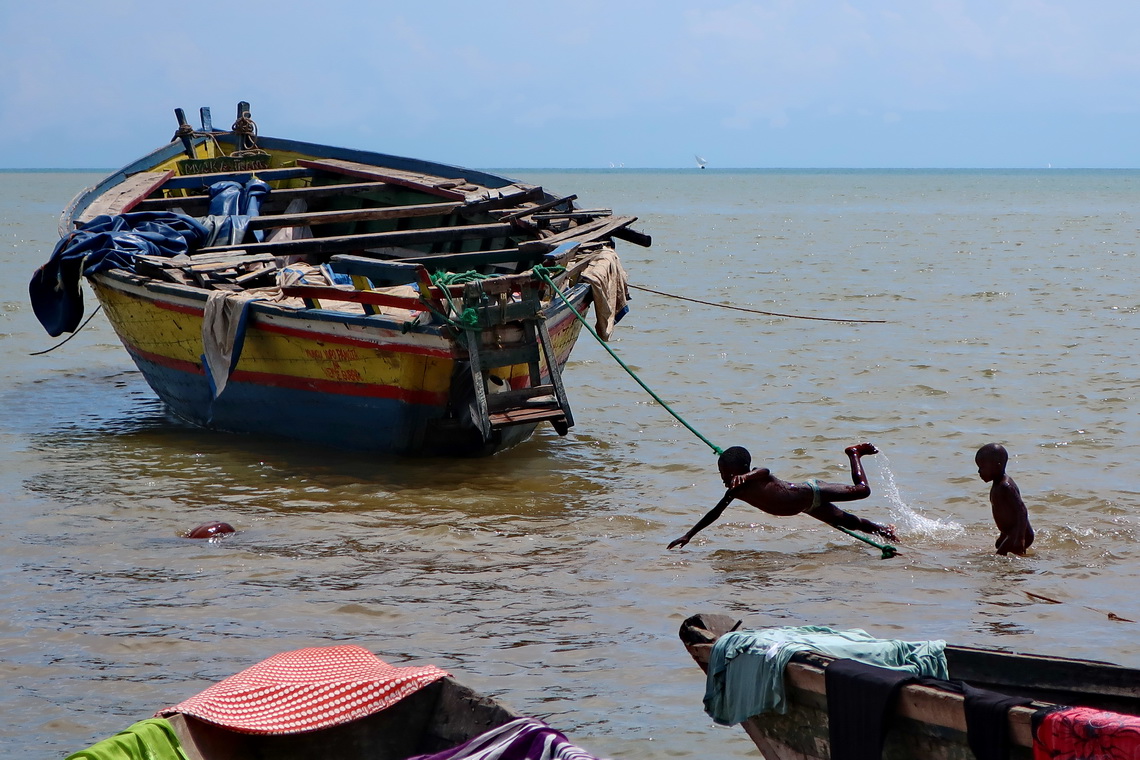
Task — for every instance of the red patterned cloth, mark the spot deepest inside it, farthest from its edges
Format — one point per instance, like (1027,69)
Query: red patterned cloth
(305,690)
(1082,733)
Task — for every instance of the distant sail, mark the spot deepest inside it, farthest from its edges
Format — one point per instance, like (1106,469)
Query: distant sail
(700,162)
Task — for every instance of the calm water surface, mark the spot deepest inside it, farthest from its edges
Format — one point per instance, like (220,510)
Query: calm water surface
(541,575)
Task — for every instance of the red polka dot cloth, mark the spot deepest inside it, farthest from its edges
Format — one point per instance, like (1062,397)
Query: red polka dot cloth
(305,690)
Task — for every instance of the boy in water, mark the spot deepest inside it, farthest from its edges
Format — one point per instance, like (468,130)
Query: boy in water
(1009,510)
(767,493)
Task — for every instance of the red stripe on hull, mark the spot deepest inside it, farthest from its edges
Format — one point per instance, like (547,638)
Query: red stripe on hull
(302,383)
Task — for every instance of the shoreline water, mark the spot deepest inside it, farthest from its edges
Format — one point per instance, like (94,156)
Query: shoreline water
(541,575)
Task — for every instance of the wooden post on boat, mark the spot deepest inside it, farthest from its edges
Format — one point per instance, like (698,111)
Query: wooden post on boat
(243,126)
(207,121)
(185,132)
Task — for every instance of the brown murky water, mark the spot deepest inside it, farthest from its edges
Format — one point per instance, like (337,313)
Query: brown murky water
(541,575)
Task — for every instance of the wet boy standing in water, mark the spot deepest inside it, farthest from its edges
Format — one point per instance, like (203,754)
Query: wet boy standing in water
(1009,510)
(766,492)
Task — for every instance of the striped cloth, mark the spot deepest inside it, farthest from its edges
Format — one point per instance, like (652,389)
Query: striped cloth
(521,739)
(306,689)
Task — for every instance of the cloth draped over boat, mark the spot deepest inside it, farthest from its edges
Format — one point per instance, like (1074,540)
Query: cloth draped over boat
(226,315)
(610,289)
(521,739)
(232,204)
(105,242)
(305,690)
(987,721)
(746,668)
(1080,733)
(860,698)
(150,739)
(223,334)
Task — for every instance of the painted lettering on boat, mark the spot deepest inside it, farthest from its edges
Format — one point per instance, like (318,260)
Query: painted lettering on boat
(344,375)
(333,354)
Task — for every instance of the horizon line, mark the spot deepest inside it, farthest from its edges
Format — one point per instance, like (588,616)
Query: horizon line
(619,169)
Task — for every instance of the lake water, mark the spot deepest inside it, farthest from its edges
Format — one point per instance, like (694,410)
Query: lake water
(1009,313)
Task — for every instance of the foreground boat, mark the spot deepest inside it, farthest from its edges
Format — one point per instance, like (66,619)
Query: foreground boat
(336,702)
(993,704)
(345,298)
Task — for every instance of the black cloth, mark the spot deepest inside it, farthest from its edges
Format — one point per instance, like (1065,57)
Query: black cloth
(987,721)
(860,698)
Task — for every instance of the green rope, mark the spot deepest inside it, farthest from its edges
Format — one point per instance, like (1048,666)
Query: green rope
(887,550)
(468,319)
(541,272)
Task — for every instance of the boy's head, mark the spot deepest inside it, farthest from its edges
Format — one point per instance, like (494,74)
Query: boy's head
(734,461)
(991,460)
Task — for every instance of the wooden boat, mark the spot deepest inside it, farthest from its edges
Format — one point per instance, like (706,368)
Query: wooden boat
(388,713)
(450,339)
(437,717)
(928,720)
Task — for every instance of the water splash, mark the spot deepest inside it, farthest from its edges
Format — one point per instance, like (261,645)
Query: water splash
(907,520)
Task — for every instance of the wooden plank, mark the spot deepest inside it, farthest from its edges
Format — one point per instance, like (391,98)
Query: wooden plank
(312,218)
(633,236)
(342,244)
(475,258)
(506,200)
(369,297)
(282,196)
(423,182)
(126,195)
(391,272)
(540,207)
(202,181)
(586,214)
(583,233)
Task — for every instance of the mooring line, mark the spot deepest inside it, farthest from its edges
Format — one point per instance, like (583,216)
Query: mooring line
(755,311)
(69,337)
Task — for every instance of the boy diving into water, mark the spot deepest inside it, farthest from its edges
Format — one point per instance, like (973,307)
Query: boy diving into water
(763,490)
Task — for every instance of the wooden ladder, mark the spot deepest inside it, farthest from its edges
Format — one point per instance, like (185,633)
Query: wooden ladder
(539,402)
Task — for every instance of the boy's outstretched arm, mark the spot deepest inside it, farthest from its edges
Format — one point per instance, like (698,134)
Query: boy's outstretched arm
(705,521)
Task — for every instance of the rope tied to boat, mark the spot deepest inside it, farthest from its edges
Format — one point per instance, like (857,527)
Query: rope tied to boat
(542,273)
(465,318)
(246,130)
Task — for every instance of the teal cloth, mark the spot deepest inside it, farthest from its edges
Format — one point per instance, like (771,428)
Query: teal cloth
(746,668)
(151,739)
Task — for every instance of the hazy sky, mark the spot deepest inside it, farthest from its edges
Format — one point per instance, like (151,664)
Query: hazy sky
(479,83)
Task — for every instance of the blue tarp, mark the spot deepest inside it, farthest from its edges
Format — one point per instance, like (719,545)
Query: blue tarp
(231,206)
(110,242)
(106,242)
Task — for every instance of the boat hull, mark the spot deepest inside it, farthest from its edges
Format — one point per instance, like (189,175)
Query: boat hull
(340,297)
(326,377)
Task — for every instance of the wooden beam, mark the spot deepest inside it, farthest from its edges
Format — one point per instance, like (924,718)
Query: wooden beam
(330,245)
(423,182)
(533,193)
(369,297)
(633,236)
(311,218)
(475,258)
(203,181)
(282,196)
(126,195)
(583,233)
(540,207)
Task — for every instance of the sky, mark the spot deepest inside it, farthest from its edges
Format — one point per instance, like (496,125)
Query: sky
(586,84)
